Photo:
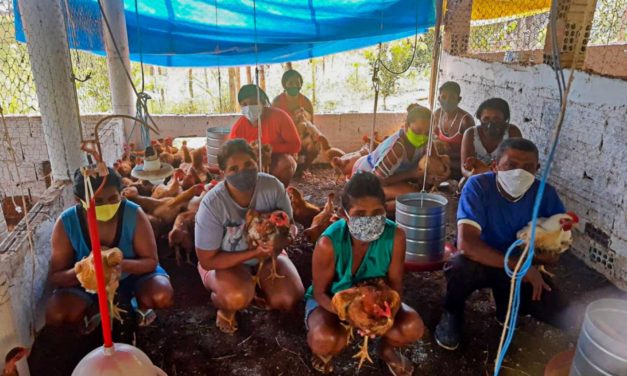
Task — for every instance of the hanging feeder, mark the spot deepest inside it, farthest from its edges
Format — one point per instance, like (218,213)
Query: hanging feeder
(153,169)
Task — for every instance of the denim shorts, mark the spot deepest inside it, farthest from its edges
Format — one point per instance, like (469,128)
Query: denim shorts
(310,306)
(127,286)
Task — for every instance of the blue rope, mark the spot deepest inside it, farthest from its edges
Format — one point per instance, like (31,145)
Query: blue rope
(528,260)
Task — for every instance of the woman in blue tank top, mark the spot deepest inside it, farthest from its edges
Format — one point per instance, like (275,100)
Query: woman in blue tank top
(121,224)
(364,245)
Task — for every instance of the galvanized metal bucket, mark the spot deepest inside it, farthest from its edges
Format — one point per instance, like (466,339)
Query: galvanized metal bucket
(602,345)
(215,138)
(423,218)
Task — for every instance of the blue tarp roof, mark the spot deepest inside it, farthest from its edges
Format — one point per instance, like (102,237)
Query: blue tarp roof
(186,33)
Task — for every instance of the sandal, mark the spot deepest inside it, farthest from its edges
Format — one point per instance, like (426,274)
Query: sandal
(146,317)
(90,323)
(226,326)
(322,364)
(406,366)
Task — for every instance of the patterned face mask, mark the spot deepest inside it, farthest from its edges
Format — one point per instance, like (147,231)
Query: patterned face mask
(366,229)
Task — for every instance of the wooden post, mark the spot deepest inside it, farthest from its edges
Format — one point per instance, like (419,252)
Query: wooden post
(233,91)
(574,17)
(435,63)
(262,77)
(238,83)
(313,81)
(249,75)
(190,86)
(457,27)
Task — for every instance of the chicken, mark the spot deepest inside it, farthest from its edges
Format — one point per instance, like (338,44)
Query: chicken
(167,144)
(438,168)
(271,228)
(173,159)
(475,166)
(123,167)
(322,221)
(343,166)
(172,189)
(369,307)
(310,145)
(304,212)
(187,156)
(86,275)
(144,187)
(442,147)
(377,140)
(167,208)
(197,171)
(553,235)
(327,153)
(158,146)
(266,155)
(181,237)
(10,361)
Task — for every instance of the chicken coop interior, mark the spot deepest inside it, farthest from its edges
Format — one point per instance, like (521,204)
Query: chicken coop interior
(560,64)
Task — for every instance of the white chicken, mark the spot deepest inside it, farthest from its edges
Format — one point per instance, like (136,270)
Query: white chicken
(553,234)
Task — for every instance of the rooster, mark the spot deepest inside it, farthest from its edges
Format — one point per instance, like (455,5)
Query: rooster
(438,168)
(86,275)
(475,166)
(266,155)
(343,166)
(304,212)
(187,156)
(322,221)
(370,308)
(271,228)
(553,235)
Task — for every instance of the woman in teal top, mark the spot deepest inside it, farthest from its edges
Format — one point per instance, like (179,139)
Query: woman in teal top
(363,245)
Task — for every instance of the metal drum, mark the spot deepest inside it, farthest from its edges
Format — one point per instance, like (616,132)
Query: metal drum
(423,218)
(602,345)
(215,138)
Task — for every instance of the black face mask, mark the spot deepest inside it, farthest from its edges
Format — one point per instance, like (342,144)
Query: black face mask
(493,129)
(243,181)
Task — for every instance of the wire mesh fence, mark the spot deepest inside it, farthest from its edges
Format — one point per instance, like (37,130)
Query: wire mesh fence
(607,45)
(511,31)
(18,89)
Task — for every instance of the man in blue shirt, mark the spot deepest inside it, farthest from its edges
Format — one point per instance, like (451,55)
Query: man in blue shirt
(493,207)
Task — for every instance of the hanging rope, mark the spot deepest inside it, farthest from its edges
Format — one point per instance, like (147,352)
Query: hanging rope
(376,85)
(525,261)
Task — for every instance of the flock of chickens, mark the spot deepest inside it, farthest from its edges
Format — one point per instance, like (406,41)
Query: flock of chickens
(171,207)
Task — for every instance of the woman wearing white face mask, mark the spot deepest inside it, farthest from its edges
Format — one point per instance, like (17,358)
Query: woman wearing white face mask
(277,130)
(121,224)
(362,246)
(493,207)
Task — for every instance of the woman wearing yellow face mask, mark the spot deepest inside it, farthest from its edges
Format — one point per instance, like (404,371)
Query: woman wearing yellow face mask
(395,160)
(122,224)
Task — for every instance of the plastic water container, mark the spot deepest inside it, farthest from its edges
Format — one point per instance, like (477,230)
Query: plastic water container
(423,218)
(215,138)
(602,345)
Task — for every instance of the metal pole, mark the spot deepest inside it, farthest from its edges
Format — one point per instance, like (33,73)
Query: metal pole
(122,97)
(51,66)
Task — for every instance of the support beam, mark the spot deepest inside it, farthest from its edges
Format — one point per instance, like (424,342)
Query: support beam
(457,27)
(122,96)
(574,18)
(51,66)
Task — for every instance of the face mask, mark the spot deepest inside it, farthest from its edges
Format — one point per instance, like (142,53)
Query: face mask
(448,106)
(104,213)
(366,229)
(243,181)
(417,140)
(252,112)
(515,182)
(493,129)
(292,91)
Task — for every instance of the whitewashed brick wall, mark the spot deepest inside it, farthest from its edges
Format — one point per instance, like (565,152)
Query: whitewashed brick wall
(590,170)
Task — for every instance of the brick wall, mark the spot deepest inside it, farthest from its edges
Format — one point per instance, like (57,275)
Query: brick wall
(589,169)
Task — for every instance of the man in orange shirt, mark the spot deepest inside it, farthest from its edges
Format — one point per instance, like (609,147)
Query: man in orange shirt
(277,130)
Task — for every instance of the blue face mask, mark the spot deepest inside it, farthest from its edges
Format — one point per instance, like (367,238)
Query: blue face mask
(292,91)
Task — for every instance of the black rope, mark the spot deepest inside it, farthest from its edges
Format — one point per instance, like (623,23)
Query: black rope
(413,55)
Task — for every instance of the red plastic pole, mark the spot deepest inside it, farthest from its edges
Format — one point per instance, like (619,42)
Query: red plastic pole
(94,237)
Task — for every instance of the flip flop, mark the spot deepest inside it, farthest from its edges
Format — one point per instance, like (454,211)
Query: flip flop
(146,317)
(91,323)
(405,362)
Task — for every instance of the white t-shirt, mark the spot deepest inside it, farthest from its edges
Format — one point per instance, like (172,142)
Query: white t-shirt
(221,222)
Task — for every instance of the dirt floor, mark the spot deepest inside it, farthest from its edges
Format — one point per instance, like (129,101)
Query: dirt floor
(185,341)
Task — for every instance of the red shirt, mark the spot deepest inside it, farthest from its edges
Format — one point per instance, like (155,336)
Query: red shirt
(277,130)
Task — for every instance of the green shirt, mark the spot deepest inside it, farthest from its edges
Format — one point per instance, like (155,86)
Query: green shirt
(375,264)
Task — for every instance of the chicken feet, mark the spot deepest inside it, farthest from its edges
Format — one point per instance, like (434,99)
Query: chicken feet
(363,353)
(273,273)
